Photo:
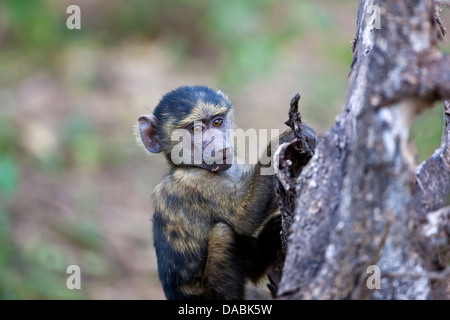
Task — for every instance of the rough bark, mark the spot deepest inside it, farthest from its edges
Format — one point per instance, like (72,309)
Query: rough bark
(361,200)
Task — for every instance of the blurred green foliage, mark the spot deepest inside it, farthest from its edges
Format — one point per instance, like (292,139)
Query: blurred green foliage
(83,142)
(32,25)
(9,170)
(427,131)
(36,273)
(236,33)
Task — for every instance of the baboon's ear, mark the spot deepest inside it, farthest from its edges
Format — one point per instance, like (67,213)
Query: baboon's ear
(149,135)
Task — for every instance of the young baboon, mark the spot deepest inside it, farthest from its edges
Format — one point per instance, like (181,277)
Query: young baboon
(208,211)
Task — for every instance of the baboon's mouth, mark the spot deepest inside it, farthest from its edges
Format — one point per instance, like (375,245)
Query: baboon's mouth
(219,167)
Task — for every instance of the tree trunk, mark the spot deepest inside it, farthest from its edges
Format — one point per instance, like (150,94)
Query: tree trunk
(361,210)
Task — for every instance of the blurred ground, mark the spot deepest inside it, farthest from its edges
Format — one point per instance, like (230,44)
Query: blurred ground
(74,184)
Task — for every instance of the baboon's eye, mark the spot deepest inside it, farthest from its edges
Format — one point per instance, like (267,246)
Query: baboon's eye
(197,128)
(217,122)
